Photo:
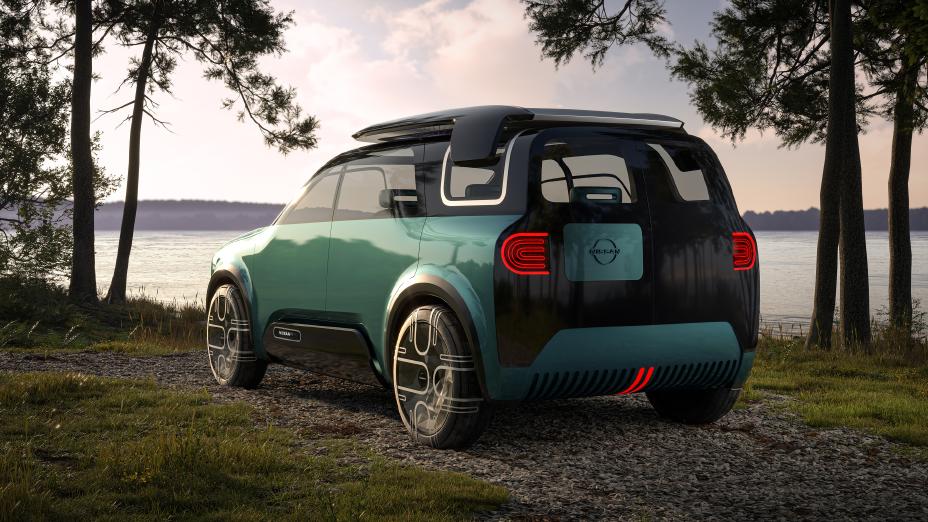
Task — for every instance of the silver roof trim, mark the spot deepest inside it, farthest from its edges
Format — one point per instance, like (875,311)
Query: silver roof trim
(613,120)
(389,134)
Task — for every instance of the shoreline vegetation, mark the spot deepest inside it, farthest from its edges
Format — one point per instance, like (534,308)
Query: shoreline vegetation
(882,389)
(192,214)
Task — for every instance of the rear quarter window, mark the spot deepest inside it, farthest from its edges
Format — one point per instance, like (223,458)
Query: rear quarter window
(691,172)
(483,183)
(685,174)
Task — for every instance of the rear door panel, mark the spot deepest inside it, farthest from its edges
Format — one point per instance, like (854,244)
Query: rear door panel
(600,255)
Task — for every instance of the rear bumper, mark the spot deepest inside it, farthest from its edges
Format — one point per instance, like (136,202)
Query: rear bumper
(579,362)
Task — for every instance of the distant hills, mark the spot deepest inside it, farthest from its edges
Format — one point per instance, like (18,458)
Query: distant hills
(230,215)
(190,214)
(808,219)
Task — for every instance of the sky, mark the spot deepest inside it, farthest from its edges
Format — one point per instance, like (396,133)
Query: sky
(356,62)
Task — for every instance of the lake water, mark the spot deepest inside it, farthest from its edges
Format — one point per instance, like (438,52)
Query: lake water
(174,266)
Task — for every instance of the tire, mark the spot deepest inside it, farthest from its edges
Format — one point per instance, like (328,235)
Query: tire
(435,381)
(694,406)
(229,345)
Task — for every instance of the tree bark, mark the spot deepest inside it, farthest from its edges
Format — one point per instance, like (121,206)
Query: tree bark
(900,246)
(855,282)
(826,266)
(829,225)
(83,284)
(117,290)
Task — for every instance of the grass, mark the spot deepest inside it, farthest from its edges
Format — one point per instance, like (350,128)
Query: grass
(882,390)
(36,316)
(79,447)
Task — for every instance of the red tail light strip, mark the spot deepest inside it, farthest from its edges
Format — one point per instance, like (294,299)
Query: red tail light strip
(526,253)
(641,380)
(743,250)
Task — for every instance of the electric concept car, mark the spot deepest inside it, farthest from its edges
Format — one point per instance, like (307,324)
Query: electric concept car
(498,253)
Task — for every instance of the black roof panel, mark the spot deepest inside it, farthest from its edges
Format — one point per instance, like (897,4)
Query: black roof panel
(475,131)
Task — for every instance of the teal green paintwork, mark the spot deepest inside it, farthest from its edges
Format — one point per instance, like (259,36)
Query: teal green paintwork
(231,257)
(462,250)
(588,349)
(603,252)
(747,362)
(366,260)
(288,268)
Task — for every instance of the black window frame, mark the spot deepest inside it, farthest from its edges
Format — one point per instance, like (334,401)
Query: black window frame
(327,172)
(372,156)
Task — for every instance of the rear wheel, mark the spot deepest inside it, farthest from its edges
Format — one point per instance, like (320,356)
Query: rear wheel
(228,340)
(694,406)
(435,380)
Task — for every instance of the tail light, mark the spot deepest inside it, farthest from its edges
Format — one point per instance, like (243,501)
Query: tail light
(743,251)
(526,253)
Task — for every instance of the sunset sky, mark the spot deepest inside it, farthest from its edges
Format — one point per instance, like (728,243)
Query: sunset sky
(356,62)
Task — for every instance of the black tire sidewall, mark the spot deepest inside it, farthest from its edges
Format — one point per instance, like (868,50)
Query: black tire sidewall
(461,429)
(245,374)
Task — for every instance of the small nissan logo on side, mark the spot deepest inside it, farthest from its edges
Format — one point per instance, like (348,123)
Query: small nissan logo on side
(287,334)
(604,251)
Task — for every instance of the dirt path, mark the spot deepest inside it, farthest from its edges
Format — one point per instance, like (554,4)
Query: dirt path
(601,458)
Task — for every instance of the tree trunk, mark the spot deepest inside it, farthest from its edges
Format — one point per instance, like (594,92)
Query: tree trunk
(826,266)
(117,291)
(829,225)
(855,282)
(900,246)
(83,285)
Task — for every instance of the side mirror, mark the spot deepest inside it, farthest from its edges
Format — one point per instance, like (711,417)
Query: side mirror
(589,195)
(390,198)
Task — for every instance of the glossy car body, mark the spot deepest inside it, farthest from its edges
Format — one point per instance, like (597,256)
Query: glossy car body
(641,283)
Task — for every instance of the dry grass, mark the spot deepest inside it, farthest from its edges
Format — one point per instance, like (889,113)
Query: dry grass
(37,316)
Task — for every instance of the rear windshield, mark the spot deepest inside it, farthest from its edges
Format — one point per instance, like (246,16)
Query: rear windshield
(601,166)
(585,163)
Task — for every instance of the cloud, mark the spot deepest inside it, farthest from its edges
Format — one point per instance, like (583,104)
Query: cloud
(354,65)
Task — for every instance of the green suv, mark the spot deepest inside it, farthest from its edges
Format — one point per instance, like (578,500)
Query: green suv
(498,253)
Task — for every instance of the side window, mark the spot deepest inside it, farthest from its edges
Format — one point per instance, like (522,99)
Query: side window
(363,186)
(686,176)
(473,185)
(315,205)
(590,164)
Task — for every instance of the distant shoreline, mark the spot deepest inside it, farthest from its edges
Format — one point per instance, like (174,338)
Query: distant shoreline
(178,215)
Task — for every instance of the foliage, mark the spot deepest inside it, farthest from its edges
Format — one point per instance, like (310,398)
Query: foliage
(567,27)
(34,235)
(896,49)
(79,447)
(769,69)
(228,38)
(37,316)
(35,214)
(770,66)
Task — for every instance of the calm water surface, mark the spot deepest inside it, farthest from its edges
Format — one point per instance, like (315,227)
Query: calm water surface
(175,266)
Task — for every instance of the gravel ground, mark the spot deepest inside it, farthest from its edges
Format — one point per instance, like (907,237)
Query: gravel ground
(600,458)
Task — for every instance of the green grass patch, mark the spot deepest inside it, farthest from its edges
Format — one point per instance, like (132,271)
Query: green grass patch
(81,447)
(876,392)
(36,316)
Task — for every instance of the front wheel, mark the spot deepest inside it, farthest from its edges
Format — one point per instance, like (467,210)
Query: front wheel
(435,380)
(228,340)
(694,406)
